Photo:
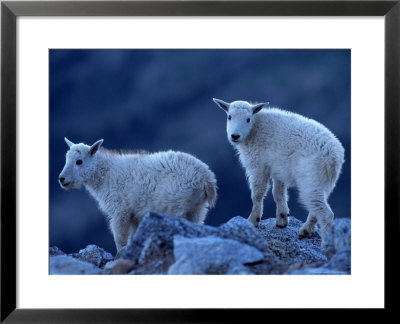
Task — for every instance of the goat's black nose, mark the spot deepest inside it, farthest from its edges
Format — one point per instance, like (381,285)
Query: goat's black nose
(61,179)
(235,137)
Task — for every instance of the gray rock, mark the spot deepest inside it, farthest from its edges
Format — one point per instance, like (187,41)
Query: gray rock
(337,249)
(154,224)
(152,244)
(94,254)
(317,271)
(212,255)
(338,236)
(340,261)
(286,245)
(68,265)
(54,250)
(239,270)
(241,230)
(109,266)
(236,228)
(165,244)
(156,255)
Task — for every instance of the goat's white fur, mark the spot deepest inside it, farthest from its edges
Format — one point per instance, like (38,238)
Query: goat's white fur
(126,186)
(292,150)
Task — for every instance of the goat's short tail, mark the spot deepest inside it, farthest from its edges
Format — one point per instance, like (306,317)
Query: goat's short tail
(210,190)
(332,170)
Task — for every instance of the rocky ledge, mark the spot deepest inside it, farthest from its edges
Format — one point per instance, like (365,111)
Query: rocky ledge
(167,245)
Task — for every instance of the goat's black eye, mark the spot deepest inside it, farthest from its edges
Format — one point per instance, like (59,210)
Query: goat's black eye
(78,162)
(229,117)
(248,120)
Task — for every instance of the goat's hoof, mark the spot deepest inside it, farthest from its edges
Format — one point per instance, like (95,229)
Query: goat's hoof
(123,266)
(120,253)
(282,220)
(304,234)
(255,222)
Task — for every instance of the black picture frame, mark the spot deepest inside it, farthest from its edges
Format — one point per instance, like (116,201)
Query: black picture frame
(10,10)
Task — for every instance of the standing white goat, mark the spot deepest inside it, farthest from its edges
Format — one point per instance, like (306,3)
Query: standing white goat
(126,186)
(293,151)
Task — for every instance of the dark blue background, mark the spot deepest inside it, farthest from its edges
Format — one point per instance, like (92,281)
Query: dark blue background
(162,99)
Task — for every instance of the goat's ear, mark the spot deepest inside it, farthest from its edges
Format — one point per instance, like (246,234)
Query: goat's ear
(69,143)
(94,148)
(257,107)
(222,104)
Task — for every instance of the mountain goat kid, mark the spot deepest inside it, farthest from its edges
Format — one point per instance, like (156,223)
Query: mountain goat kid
(294,151)
(126,186)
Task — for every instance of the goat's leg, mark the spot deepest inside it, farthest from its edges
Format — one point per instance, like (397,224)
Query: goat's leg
(309,227)
(279,192)
(319,213)
(258,181)
(121,227)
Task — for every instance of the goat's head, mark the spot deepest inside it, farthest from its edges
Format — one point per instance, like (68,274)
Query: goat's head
(79,164)
(240,118)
